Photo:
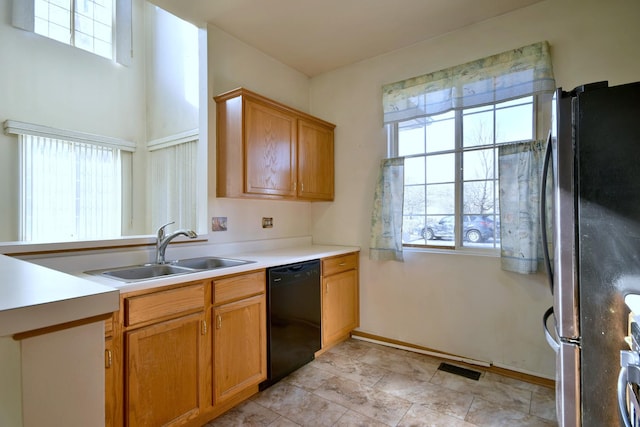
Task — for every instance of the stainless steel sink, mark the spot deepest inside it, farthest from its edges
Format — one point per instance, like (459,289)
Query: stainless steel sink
(141,272)
(135,273)
(209,263)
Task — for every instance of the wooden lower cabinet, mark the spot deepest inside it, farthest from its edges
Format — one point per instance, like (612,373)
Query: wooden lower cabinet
(340,298)
(164,372)
(186,353)
(239,346)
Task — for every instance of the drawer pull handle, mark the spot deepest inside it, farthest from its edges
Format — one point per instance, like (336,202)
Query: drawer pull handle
(108,359)
(342,264)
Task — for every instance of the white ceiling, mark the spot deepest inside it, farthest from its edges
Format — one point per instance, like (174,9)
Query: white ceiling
(315,36)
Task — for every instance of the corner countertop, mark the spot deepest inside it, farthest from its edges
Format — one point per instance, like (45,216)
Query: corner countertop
(259,260)
(34,297)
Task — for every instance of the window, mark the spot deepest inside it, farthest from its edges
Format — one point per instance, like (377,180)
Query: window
(174,184)
(87,24)
(71,184)
(451,196)
(102,27)
(454,129)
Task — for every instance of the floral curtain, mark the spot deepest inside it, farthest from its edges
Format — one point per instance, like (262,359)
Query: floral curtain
(520,169)
(512,74)
(386,219)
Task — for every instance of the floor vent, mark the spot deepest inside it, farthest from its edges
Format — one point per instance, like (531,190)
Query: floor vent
(464,372)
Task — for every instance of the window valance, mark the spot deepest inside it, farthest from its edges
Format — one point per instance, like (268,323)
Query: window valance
(512,74)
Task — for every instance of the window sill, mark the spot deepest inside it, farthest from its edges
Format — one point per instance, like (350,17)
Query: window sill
(489,252)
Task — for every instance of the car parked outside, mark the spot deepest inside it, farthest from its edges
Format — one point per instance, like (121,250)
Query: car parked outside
(476,228)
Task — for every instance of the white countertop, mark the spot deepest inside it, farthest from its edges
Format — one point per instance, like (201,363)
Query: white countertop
(260,260)
(34,297)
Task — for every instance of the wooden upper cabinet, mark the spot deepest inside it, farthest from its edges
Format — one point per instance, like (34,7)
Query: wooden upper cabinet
(268,150)
(270,155)
(315,161)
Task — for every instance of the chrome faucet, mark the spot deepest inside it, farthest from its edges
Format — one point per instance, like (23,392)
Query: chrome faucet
(163,240)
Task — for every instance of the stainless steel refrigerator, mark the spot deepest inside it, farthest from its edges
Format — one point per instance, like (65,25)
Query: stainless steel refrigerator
(595,159)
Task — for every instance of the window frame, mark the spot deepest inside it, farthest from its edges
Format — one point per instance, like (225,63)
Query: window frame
(23,17)
(459,150)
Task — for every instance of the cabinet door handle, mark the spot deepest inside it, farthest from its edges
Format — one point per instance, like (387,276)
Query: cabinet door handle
(218,321)
(108,359)
(326,289)
(204,327)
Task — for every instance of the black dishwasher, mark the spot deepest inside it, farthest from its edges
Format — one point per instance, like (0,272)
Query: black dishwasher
(293,318)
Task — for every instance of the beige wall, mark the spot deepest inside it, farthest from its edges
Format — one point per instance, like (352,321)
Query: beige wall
(461,304)
(233,64)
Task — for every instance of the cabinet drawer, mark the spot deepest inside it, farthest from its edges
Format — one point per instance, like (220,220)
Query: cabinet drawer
(158,305)
(237,287)
(339,263)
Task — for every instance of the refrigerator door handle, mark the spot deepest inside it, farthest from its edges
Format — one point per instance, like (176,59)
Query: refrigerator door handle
(622,397)
(555,345)
(629,374)
(543,212)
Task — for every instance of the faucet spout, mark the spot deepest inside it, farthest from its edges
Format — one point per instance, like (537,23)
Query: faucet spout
(163,240)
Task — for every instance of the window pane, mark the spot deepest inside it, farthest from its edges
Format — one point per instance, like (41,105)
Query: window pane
(410,138)
(441,168)
(103,49)
(84,25)
(103,14)
(478,164)
(478,197)
(413,229)
(414,200)
(518,101)
(514,123)
(440,230)
(84,42)
(59,33)
(440,199)
(102,32)
(477,129)
(414,170)
(60,16)
(441,133)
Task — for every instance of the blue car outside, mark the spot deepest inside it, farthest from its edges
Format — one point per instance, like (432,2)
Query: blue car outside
(476,228)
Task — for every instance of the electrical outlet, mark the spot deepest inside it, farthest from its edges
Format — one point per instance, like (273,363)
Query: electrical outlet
(219,223)
(267,222)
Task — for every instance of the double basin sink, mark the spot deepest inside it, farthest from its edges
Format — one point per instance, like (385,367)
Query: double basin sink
(135,273)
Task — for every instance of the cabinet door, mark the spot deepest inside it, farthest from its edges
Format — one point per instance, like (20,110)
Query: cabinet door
(270,151)
(163,372)
(339,306)
(240,346)
(315,161)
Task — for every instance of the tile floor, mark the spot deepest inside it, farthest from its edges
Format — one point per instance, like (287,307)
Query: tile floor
(358,383)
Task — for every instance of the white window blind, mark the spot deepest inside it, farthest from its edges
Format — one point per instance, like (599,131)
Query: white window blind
(173,175)
(69,190)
